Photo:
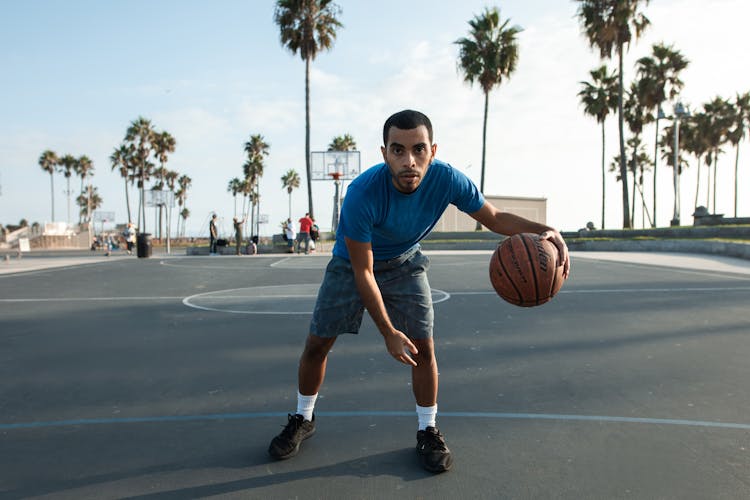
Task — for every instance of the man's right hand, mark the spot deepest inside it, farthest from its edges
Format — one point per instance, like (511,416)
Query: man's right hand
(399,346)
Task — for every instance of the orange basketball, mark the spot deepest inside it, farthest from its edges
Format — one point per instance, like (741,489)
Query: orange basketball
(524,270)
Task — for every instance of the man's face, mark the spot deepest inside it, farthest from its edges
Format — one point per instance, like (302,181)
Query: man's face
(408,155)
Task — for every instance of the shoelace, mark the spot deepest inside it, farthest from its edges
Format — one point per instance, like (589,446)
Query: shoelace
(433,441)
(290,428)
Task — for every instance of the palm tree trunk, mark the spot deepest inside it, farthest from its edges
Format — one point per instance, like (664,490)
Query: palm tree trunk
(290,204)
(644,206)
(257,214)
(656,155)
(623,167)
(484,149)
(52,193)
(80,215)
(697,184)
(633,167)
(715,175)
(708,187)
(604,176)
(67,192)
(736,162)
(127,200)
(308,166)
(142,210)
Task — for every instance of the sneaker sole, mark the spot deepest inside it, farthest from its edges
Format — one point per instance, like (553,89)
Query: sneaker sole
(440,468)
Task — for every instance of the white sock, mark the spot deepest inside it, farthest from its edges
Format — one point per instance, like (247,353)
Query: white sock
(426,416)
(306,405)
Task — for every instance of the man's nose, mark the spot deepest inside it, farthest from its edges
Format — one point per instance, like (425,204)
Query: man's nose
(410,160)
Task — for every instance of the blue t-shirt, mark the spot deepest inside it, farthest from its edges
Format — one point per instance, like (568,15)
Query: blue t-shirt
(393,222)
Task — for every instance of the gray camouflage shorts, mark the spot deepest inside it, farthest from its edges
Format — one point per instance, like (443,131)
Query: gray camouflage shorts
(403,285)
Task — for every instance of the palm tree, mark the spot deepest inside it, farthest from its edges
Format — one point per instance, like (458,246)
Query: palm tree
(234,187)
(120,161)
(662,70)
(170,178)
(599,97)
(486,56)
(84,167)
(290,181)
(720,120)
(343,143)
(184,182)
(693,135)
(307,27)
(184,214)
(163,143)
(609,25)
(49,162)
(67,166)
(256,149)
(666,143)
(636,116)
(88,201)
(139,137)
(740,119)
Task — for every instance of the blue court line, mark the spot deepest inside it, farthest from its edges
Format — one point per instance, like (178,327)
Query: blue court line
(447,414)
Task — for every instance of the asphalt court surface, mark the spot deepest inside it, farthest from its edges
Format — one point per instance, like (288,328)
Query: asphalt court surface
(167,378)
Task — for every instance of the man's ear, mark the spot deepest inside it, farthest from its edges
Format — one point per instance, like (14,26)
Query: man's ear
(434,150)
(382,151)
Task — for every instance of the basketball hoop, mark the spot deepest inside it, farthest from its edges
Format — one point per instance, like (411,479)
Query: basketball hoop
(336,175)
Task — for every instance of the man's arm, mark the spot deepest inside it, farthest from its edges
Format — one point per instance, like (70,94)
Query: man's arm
(509,224)
(360,255)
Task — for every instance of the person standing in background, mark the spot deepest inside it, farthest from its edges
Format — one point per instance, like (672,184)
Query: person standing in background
(289,234)
(305,223)
(213,236)
(238,234)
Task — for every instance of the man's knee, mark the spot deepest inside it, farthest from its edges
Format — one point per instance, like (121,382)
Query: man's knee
(317,348)
(425,351)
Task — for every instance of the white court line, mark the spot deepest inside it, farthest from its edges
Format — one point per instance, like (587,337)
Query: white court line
(445,297)
(88,299)
(381,414)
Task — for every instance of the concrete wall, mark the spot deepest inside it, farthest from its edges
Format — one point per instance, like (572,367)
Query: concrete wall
(531,208)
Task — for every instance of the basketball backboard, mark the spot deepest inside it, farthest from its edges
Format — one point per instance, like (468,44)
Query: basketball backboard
(325,163)
(156,198)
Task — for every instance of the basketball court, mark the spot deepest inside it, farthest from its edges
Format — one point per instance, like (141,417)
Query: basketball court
(167,377)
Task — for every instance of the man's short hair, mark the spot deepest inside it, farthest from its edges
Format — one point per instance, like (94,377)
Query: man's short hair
(406,120)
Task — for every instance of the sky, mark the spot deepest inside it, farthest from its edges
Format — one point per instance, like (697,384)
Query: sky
(76,73)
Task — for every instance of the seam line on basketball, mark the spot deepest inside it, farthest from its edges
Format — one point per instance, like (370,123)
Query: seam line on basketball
(532,267)
(508,275)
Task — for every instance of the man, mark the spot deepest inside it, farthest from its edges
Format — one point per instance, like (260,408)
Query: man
(377,265)
(305,223)
(238,234)
(129,235)
(289,234)
(213,237)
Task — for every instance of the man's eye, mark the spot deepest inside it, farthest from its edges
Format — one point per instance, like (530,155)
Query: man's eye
(420,149)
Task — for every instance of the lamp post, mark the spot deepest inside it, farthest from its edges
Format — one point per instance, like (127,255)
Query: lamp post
(679,112)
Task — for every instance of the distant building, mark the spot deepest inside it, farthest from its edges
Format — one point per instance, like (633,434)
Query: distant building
(534,209)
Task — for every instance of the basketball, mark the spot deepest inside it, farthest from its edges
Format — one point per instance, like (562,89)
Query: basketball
(524,270)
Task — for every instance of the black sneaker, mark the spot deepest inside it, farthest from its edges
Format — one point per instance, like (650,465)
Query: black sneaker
(433,453)
(286,444)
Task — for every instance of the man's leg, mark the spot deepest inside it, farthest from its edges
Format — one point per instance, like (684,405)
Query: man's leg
(425,375)
(431,448)
(301,425)
(312,364)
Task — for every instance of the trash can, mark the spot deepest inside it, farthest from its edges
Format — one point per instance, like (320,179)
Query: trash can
(143,244)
